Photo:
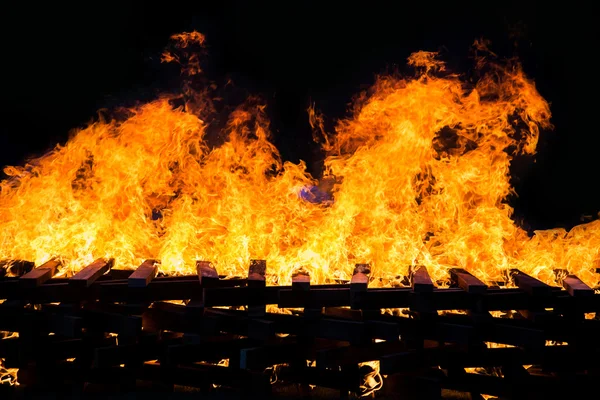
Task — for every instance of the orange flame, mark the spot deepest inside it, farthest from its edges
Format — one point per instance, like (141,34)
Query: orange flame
(419,175)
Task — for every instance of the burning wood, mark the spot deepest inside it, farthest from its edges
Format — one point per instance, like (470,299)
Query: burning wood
(91,273)
(348,332)
(144,274)
(41,274)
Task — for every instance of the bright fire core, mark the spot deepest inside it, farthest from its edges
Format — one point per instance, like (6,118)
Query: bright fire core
(420,174)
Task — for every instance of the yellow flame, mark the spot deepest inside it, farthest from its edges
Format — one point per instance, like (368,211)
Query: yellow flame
(418,175)
(8,376)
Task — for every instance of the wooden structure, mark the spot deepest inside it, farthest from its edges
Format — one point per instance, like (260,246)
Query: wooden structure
(108,330)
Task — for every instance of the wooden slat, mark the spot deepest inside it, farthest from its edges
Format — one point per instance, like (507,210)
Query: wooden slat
(575,287)
(207,273)
(98,320)
(257,280)
(89,274)
(343,313)
(261,357)
(40,274)
(572,284)
(208,277)
(301,280)
(314,298)
(257,271)
(420,280)
(335,356)
(529,284)
(467,282)
(359,284)
(360,277)
(209,349)
(144,274)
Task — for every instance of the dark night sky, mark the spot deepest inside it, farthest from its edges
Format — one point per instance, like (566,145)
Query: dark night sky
(62,63)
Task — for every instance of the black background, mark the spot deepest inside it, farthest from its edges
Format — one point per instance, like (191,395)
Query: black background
(61,63)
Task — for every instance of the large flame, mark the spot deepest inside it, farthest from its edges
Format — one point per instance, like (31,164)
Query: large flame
(419,173)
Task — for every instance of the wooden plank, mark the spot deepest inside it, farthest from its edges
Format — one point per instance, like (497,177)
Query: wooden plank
(103,318)
(113,291)
(359,283)
(257,271)
(343,313)
(420,280)
(575,287)
(360,277)
(256,285)
(35,322)
(148,347)
(334,357)
(422,293)
(314,298)
(261,357)
(529,284)
(210,349)
(207,273)
(174,317)
(301,280)
(320,377)
(89,274)
(143,274)
(500,330)
(467,282)
(377,298)
(208,277)
(253,384)
(40,274)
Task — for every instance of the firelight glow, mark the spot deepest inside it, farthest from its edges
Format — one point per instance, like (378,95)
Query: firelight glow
(421,172)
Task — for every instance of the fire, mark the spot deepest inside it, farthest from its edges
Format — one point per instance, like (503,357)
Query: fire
(417,175)
(8,376)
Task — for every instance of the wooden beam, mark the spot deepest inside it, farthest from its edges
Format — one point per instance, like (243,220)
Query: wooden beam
(359,284)
(207,273)
(207,278)
(89,274)
(257,271)
(576,287)
(212,349)
(335,356)
(327,378)
(301,281)
(466,281)
(343,313)
(529,284)
(360,277)
(420,280)
(40,274)
(256,285)
(143,274)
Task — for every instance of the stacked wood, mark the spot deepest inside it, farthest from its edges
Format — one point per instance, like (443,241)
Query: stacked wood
(115,330)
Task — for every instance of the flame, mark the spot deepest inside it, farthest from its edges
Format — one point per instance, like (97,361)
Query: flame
(417,175)
(8,376)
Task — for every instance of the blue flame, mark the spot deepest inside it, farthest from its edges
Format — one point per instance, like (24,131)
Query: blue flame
(315,195)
